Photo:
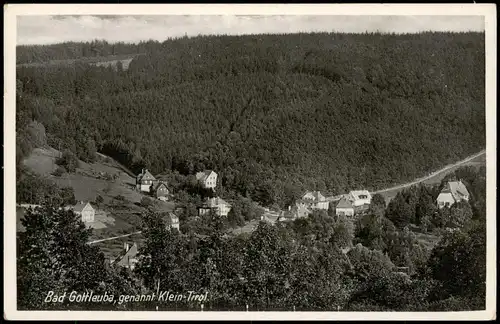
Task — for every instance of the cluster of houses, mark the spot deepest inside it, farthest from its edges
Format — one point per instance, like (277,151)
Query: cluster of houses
(351,204)
(354,202)
(146,182)
(358,201)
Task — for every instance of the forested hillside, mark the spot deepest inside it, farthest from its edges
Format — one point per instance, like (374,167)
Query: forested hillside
(272,114)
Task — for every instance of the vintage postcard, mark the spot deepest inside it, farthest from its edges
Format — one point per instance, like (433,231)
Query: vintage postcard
(255,162)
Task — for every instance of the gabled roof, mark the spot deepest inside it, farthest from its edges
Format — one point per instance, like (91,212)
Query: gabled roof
(127,255)
(202,176)
(317,196)
(160,184)
(80,206)
(214,202)
(344,203)
(356,193)
(146,175)
(173,216)
(457,189)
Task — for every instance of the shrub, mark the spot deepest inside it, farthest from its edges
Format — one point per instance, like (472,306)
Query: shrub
(59,171)
(68,160)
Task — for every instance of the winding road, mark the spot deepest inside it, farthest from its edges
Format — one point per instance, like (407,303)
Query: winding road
(446,168)
(252,225)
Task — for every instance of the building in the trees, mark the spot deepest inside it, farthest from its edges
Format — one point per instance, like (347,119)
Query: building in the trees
(452,192)
(128,257)
(207,179)
(218,205)
(297,211)
(314,200)
(271,216)
(172,221)
(85,210)
(145,180)
(161,191)
(361,199)
(345,207)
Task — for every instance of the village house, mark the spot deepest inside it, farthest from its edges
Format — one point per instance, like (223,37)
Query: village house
(172,220)
(128,256)
(344,207)
(297,211)
(314,200)
(145,180)
(219,205)
(453,192)
(360,197)
(85,210)
(161,191)
(207,179)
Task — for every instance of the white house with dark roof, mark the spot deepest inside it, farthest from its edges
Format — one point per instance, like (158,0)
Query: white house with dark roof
(344,207)
(207,178)
(85,210)
(453,192)
(219,205)
(145,180)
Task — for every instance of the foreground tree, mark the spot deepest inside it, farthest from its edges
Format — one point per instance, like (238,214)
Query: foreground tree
(53,255)
(458,263)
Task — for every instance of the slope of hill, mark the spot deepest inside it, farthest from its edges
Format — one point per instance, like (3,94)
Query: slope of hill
(274,114)
(118,213)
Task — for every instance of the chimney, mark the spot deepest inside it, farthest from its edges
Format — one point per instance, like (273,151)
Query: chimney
(289,208)
(125,246)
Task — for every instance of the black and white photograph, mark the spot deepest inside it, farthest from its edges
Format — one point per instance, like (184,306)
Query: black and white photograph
(250,162)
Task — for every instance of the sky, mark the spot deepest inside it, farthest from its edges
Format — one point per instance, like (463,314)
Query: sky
(48,29)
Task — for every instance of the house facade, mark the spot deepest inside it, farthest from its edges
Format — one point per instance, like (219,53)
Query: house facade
(344,207)
(360,198)
(219,205)
(161,191)
(314,200)
(297,211)
(85,210)
(172,221)
(453,192)
(145,180)
(207,179)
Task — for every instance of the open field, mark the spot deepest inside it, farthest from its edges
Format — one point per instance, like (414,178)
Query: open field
(110,60)
(113,216)
(429,240)
(247,228)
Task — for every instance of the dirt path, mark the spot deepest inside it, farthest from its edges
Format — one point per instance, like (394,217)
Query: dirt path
(408,184)
(113,238)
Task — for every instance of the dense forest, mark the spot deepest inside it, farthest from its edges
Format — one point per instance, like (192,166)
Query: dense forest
(272,114)
(301,265)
